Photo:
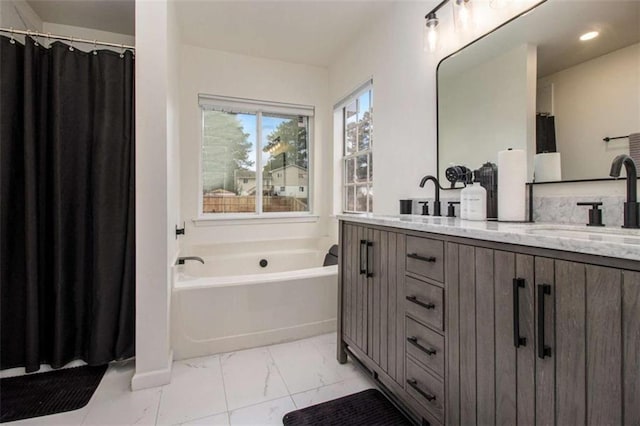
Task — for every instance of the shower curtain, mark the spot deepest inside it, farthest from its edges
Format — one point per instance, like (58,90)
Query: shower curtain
(67,229)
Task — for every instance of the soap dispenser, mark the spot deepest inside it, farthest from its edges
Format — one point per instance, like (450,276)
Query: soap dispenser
(475,197)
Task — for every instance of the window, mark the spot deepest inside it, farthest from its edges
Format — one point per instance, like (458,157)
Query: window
(357,144)
(255,156)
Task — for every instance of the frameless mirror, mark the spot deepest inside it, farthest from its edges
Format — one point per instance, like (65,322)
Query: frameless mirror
(561,81)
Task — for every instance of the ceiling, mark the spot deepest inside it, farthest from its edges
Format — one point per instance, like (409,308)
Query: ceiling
(303,31)
(116,16)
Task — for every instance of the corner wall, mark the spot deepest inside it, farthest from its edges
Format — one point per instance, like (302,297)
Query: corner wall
(156,189)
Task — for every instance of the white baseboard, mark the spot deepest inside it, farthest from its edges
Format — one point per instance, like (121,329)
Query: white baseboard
(154,378)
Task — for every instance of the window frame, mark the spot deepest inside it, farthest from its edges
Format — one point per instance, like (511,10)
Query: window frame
(258,108)
(344,157)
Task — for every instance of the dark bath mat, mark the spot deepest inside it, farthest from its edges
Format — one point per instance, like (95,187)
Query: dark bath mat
(53,392)
(366,408)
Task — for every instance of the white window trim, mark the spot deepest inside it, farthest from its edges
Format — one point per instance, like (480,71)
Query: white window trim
(239,105)
(340,157)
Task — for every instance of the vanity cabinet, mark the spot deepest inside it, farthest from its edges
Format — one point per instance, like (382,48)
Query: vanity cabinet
(538,340)
(460,331)
(370,300)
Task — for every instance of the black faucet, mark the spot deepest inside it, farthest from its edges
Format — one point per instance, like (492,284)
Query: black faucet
(631,207)
(436,204)
(181,260)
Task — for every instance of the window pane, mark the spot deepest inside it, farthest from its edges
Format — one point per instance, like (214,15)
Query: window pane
(285,160)
(364,121)
(370,167)
(228,159)
(361,168)
(361,198)
(370,199)
(350,198)
(350,171)
(351,128)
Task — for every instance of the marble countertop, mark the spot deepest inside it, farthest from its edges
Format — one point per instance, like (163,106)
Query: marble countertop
(608,241)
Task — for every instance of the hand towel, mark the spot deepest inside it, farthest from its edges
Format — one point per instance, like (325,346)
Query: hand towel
(634,147)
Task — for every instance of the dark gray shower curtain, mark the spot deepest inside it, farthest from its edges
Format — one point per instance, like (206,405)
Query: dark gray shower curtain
(67,224)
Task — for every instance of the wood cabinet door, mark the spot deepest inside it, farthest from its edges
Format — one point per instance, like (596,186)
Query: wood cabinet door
(382,287)
(587,358)
(354,315)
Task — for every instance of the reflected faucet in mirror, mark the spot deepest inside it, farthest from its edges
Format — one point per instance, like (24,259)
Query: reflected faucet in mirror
(436,203)
(631,206)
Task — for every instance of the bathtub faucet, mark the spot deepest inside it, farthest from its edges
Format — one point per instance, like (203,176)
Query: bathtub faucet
(181,260)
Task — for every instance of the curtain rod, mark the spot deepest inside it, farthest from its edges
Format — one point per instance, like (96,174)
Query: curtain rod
(67,38)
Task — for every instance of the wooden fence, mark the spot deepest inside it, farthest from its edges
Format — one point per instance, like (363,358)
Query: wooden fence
(247,204)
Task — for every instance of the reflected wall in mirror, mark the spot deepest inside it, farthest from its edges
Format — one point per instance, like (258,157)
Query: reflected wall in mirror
(533,84)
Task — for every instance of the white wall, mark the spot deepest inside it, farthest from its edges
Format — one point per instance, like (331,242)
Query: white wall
(592,100)
(19,15)
(89,34)
(220,73)
(485,109)
(156,139)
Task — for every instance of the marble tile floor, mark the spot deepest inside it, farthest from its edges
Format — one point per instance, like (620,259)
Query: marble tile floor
(250,387)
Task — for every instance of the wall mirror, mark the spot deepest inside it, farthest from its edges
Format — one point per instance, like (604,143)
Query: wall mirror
(561,79)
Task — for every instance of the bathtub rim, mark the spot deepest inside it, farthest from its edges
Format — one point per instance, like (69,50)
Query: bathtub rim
(252,279)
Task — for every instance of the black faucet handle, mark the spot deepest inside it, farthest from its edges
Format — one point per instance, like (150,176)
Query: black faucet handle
(595,214)
(451,208)
(425,207)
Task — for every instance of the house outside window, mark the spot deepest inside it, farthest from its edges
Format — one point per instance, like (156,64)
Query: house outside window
(240,138)
(357,149)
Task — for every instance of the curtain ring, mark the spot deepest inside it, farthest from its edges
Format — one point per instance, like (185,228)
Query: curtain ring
(122,50)
(95,48)
(71,45)
(35,39)
(12,41)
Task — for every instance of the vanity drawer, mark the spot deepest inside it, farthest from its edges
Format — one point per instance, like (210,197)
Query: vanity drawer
(425,388)
(426,346)
(424,301)
(426,257)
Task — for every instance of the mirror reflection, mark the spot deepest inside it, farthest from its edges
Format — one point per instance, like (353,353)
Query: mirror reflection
(561,82)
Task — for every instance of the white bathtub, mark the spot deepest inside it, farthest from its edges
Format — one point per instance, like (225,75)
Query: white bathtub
(232,303)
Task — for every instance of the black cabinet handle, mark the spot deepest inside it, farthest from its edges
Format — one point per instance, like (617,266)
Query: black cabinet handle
(518,341)
(369,260)
(416,256)
(415,300)
(414,384)
(543,350)
(363,247)
(414,341)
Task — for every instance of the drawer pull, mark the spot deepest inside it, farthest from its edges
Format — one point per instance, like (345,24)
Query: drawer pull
(415,300)
(416,256)
(414,341)
(414,384)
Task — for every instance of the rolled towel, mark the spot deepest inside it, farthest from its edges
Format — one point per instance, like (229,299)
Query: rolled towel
(634,147)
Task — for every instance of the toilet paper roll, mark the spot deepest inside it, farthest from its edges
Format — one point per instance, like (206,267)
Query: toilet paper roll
(512,179)
(547,167)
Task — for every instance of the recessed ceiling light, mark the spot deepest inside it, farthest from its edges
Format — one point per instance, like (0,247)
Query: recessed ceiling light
(589,36)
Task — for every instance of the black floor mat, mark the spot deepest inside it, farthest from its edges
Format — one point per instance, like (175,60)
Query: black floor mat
(366,408)
(41,394)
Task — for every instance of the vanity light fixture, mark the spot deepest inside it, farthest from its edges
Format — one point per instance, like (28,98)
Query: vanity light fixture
(589,36)
(430,35)
(462,14)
